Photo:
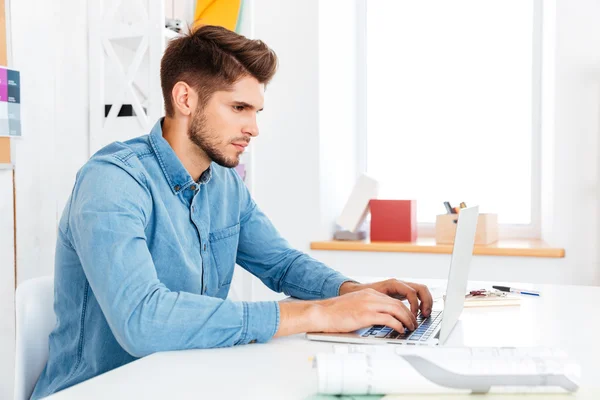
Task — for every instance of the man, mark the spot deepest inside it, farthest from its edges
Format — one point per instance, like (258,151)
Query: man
(149,238)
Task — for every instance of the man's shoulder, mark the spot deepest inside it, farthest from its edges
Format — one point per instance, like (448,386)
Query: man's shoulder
(116,156)
(138,147)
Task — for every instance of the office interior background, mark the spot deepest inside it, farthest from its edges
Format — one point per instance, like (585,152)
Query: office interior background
(495,103)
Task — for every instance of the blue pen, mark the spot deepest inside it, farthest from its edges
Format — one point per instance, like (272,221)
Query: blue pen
(518,291)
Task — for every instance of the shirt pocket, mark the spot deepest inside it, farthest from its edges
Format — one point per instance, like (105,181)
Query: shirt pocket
(223,244)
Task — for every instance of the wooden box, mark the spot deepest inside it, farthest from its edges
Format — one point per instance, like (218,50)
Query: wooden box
(486,233)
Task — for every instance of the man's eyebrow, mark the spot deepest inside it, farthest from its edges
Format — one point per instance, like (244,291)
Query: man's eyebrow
(246,105)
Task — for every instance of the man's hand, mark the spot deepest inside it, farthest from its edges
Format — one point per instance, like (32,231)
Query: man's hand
(413,292)
(360,309)
(346,313)
(358,306)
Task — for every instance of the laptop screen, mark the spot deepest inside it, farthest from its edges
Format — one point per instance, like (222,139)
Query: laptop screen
(458,276)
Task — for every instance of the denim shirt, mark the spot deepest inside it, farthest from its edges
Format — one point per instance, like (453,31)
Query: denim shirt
(145,257)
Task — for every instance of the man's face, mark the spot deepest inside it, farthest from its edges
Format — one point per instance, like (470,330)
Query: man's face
(223,128)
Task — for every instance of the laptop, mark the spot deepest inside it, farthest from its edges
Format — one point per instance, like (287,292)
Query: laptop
(435,329)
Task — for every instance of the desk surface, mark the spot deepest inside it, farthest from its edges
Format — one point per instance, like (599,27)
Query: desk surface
(564,317)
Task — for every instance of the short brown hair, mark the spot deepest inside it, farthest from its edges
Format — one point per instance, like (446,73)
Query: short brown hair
(212,58)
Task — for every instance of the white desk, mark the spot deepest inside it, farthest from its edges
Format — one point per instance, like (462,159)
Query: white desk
(564,316)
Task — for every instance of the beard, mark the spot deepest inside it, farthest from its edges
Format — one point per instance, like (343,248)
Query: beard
(208,141)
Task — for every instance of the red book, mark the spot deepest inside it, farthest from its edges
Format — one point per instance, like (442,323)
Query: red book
(393,220)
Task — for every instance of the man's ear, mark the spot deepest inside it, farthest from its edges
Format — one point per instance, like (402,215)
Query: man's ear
(184,99)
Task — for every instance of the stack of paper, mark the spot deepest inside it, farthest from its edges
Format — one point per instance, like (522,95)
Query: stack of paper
(438,370)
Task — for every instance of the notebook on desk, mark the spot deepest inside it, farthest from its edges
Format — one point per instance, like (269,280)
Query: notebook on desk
(437,327)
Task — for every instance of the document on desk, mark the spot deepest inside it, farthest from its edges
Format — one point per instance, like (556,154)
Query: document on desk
(381,370)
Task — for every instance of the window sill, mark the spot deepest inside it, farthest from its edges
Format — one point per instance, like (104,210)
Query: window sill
(514,247)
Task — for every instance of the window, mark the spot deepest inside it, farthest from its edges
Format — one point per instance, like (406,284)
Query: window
(452,105)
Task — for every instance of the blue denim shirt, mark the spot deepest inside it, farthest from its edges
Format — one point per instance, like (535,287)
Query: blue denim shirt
(145,257)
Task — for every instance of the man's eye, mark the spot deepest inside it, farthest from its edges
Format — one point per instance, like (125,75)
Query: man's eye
(238,108)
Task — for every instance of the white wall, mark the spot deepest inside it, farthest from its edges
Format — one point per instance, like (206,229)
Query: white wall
(49,47)
(7,284)
(577,129)
(7,270)
(338,117)
(286,162)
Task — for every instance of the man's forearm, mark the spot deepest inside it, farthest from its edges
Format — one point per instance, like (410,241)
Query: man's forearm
(348,287)
(306,316)
(298,317)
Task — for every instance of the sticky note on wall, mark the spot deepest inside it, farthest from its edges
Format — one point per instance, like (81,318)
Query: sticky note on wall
(10,102)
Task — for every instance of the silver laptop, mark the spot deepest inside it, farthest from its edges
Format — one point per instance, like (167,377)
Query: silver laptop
(437,327)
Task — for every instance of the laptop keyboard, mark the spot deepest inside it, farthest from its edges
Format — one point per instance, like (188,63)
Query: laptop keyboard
(426,327)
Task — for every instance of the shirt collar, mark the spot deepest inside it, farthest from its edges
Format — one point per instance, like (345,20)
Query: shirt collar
(176,174)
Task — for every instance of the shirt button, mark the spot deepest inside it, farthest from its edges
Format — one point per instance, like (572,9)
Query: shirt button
(193,209)
(204,246)
(176,188)
(253,341)
(193,187)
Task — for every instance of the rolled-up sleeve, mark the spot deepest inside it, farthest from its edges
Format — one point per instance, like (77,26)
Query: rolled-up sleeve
(261,321)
